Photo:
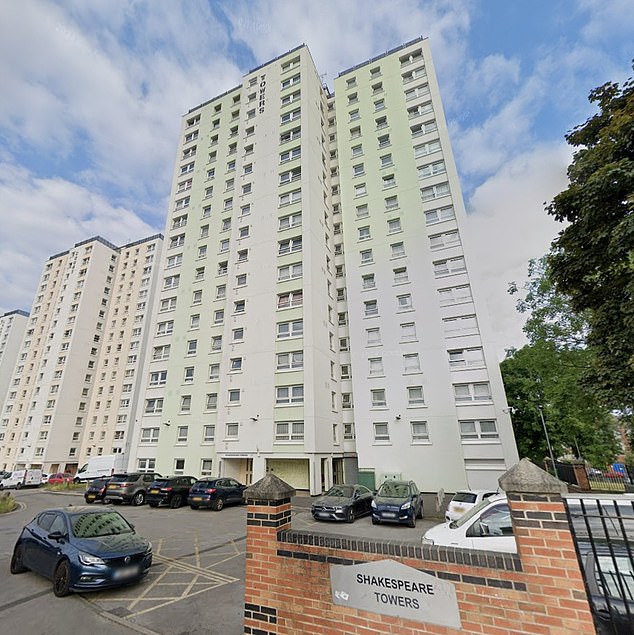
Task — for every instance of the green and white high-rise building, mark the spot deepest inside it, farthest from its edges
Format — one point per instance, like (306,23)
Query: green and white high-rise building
(318,317)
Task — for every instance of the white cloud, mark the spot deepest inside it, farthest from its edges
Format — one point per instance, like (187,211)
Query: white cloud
(507,226)
(42,217)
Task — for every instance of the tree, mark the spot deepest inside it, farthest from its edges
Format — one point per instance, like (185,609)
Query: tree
(592,260)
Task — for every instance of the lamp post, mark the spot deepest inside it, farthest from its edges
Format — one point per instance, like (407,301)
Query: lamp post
(550,449)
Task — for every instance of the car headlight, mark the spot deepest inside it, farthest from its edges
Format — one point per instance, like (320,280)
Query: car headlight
(86,558)
(339,508)
(406,505)
(373,504)
(428,541)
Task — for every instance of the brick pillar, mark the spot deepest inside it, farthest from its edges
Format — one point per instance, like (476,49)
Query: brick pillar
(268,513)
(547,551)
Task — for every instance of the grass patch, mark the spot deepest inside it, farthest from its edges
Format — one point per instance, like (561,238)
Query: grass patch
(65,487)
(7,503)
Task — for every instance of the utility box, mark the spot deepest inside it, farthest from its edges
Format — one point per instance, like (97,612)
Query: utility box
(366,478)
(392,476)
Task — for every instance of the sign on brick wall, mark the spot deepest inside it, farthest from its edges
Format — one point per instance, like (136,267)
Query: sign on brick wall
(392,588)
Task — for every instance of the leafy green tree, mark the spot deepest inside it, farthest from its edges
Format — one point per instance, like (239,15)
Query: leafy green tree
(592,260)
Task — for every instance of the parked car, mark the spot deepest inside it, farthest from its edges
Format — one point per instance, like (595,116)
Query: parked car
(101,466)
(22,478)
(610,580)
(82,549)
(171,491)
(343,502)
(215,493)
(463,500)
(129,488)
(96,490)
(59,478)
(486,526)
(397,502)
(44,479)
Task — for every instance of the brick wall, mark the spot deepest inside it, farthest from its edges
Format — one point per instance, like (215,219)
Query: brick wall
(538,591)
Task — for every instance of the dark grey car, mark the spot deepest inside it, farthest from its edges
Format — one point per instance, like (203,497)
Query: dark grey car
(343,502)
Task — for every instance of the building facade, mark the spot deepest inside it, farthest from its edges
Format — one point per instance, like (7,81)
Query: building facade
(318,316)
(12,329)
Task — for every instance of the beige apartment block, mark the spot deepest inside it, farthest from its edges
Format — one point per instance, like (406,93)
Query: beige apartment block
(318,314)
(79,303)
(12,329)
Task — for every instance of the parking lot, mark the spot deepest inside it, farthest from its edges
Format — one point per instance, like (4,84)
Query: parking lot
(196,583)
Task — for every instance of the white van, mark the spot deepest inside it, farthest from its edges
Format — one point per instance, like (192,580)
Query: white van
(486,526)
(99,466)
(22,478)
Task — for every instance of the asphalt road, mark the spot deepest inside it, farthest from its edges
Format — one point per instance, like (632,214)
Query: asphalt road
(195,586)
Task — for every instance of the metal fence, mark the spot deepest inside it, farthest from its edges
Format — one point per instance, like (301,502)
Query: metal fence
(603,530)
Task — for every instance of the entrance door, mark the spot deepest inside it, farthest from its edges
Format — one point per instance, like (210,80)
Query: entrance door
(337,471)
(248,471)
(324,475)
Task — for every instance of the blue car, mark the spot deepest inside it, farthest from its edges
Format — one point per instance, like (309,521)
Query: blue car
(82,549)
(397,502)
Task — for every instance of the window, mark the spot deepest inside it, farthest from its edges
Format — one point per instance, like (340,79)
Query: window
(231,430)
(171,282)
(376,367)
(400,275)
(289,155)
(439,215)
(221,291)
(158,378)
(404,302)
(243,255)
(214,372)
(435,191)
(394,225)
(234,396)
(293,115)
(289,272)
(169,304)
(194,321)
(360,189)
(427,148)
(381,432)
(290,245)
(377,398)
(292,220)
(290,135)
(290,81)
(181,434)
(235,364)
(290,329)
(460,325)
(441,241)
(290,299)
(358,169)
(423,128)
(209,435)
(219,316)
(153,406)
(366,257)
(289,431)
(285,395)
(478,429)
(186,403)
(465,357)
(431,169)
(211,401)
(149,435)
(373,337)
(165,328)
(346,373)
(174,261)
(418,91)
(290,197)
(364,233)
(415,396)
(188,375)
(241,280)
(455,295)
(384,141)
(238,334)
(449,266)
(421,109)
(291,175)
(408,332)
(161,352)
(368,281)
(411,363)
(239,306)
(397,250)
(420,433)
(371,308)
(480,391)
(216,343)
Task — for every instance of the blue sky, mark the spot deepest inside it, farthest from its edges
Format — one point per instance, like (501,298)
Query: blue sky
(93,93)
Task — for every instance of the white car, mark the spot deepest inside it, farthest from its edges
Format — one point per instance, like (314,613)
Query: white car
(486,526)
(463,500)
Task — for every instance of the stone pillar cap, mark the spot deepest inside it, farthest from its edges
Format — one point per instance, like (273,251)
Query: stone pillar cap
(269,488)
(526,477)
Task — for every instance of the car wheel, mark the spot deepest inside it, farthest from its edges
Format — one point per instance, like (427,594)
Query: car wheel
(219,504)
(16,561)
(153,504)
(375,521)
(194,506)
(88,502)
(18,486)
(76,480)
(350,515)
(61,579)
(420,511)
(138,498)
(176,501)
(412,521)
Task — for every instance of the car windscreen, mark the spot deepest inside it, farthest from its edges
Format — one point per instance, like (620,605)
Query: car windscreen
(162,483)
(99,482)
(394,490)
(474,511)
(464,497)
(93,525)
(343,491)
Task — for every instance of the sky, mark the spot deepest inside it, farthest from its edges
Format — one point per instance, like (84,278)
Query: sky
(93,94)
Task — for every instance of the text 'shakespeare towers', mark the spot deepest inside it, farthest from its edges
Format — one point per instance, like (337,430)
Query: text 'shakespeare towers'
(317,317)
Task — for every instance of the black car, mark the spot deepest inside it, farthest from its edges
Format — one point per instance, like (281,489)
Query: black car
(397,502)
(82,549)
(343,502)
(96,490)
(129,488)
(215,493)
(171,491)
